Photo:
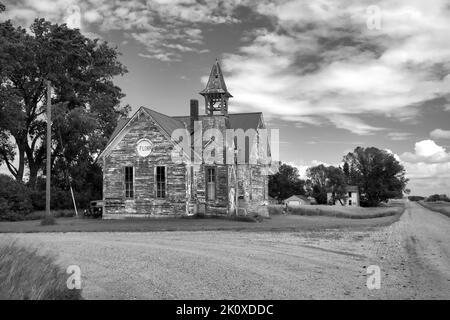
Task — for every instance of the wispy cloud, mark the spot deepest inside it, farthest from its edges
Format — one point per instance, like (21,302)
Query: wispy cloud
(440,134)
(165,29)
(399,136)
(322,60)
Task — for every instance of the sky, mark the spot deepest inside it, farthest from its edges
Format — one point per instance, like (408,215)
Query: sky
(330,75)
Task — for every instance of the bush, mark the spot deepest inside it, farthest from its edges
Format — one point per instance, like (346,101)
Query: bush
(60,199)
(25,275)
(275,209)
(15,200)
(48,220)
(438,197)
(416,198)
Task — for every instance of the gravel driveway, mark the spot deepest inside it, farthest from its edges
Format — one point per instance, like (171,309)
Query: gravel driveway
(413,254)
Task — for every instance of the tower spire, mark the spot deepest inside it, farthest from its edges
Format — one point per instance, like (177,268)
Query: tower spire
(216,93)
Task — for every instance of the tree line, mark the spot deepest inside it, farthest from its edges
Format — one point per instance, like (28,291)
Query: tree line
(377,174)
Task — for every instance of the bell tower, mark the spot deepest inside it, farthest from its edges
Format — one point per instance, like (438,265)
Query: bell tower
(216,93)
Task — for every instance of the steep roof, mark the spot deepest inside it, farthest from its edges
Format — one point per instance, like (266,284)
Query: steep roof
(297,197)
(243,121)
(349,189)
(352,189)
(216,82)
(169,124)
(120,124)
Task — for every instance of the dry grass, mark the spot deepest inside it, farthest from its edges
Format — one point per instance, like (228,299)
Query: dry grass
(25,275)
(276,223)
(438,206)
(341,212)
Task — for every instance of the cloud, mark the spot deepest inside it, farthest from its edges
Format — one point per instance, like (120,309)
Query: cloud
(428,168)
(165,29)
(353,124)
(399,136)
(440,134)
(427,151)
(321,60)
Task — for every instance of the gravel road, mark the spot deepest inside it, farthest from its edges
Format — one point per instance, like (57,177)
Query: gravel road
(413,254)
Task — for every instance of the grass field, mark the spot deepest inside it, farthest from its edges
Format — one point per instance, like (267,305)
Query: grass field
(277,223)
(25,275)
(392,209)
(438,206)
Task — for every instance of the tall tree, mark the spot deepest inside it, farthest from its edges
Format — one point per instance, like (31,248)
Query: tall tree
(377,173)
(336,184)
(85,99)
(285,183)
(323,179)
(317,183)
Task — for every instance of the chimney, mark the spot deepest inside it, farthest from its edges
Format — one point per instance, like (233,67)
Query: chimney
(194,113)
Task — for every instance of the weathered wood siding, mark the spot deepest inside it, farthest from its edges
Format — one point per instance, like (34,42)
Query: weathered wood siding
(144,201)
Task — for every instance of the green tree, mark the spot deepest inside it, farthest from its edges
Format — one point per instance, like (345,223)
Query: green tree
(377,173)
(285,183)
(336,184)
(323,179)
(317,180)
(85,100)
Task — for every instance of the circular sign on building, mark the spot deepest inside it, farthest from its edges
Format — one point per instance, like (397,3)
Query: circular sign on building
(144,147)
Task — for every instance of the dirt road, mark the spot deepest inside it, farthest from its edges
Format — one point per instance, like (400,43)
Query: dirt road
(413,254)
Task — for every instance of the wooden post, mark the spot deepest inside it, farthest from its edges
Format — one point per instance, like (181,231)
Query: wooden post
(73,200)
(49,149)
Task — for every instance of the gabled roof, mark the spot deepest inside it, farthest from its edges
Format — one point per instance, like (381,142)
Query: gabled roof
(120,124)
(216,82)
(168,124)
(297,197)
(348,189)
(352,189)
(243,121)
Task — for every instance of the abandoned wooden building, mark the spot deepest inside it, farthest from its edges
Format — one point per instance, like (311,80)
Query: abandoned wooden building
(141,178)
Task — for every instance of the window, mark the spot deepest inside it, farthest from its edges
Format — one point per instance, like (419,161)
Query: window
(129,187)
(160,182)
(211,183)
(349,194)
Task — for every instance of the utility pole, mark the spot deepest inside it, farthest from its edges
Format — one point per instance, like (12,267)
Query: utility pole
(236,182)
(49,149)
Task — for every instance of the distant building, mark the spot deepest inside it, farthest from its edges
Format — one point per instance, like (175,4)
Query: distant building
(297,200)
(352,197)
(312,200)
(272,200)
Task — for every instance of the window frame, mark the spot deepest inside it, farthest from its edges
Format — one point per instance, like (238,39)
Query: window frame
(129,192)
(207,176)
(157,183)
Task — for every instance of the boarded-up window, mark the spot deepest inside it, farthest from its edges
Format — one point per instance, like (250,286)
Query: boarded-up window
(211,183)
(129,187)
(160,182)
